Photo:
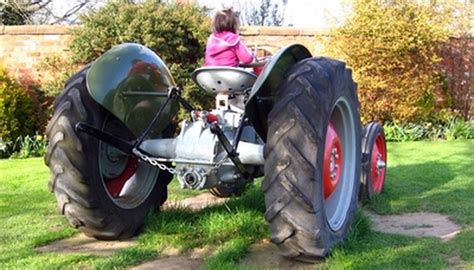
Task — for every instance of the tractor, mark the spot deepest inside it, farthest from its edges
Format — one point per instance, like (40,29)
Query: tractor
(113,150)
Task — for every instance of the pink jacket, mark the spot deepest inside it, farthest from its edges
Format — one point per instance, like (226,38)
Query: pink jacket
(226,49)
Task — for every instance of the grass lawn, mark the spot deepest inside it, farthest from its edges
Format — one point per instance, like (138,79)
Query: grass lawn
(422,176)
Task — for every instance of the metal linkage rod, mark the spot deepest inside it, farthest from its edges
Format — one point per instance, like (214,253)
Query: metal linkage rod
(229,149)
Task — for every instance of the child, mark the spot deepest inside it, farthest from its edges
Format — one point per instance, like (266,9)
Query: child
(224,47)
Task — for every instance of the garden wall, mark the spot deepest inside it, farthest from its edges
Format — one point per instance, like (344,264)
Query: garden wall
(24,48)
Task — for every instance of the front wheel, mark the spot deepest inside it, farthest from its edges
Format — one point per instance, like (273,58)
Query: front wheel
(312,159)
(102,191)
(374,161)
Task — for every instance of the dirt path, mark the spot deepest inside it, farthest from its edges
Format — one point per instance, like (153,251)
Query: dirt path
(416,224)
(262,255)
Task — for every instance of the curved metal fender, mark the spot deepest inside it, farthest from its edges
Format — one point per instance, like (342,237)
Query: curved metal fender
(132,82)
(262,96)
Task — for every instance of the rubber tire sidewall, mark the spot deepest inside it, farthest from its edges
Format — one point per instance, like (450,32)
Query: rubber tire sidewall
(74,162)
(371,131)
(299,227)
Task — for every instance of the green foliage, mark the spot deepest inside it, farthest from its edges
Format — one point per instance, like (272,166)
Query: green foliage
(16,109)
(176,32)
(30,146)
(5,149)
(452,128)
(58,69)
(24,147)
(15,12)
(392,49)
(459,129)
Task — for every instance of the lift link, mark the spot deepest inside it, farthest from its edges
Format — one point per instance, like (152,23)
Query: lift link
(125,146)
(231,153)
(175,93)
(238,134)
(106,137)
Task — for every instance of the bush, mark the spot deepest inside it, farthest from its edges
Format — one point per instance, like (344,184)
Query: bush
(457,63)
(392,49)
(29,146)
(452,128)
(176,32)
(16,109)
(58,69)
(24,147)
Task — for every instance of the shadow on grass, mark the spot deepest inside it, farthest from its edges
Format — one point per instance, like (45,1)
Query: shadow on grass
(366,249)
(432,186)
(439,184)
(228,228)
(213,225)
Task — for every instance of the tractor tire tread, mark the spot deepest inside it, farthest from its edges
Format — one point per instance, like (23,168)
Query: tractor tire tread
(290,161)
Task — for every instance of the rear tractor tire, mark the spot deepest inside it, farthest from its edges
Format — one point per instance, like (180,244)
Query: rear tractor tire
(312,159)
(101,191)
(374,161)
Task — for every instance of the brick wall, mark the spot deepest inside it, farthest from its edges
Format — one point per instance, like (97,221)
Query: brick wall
(24,48)
(273,38)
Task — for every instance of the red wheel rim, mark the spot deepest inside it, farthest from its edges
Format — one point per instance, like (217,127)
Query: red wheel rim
(378,164)
(333,158)
(116,184)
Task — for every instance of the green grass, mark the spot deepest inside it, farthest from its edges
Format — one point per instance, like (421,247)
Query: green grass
(27,213)
(422,176)
(176,193)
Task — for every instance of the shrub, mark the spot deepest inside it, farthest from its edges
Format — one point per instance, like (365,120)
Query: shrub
(176,32)
(5,149)
(453,128)
(459,129)
(16,109)
(29,146)
(392,49)
(457,63)
(58,69)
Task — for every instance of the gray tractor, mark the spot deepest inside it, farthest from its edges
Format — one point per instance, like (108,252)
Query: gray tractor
(112,150)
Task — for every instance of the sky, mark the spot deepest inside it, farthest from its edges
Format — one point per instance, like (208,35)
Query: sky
(299,13)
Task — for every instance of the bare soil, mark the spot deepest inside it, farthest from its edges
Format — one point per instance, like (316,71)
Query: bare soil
(262,255)
(416,224)
(196,203)
(80,243)
(266,255)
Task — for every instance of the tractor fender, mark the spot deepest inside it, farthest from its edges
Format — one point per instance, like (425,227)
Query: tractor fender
(263,92)
(132,83)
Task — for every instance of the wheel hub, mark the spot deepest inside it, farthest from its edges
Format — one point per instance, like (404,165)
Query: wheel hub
(378,165)
(115,185)
(332,162)
(127,181)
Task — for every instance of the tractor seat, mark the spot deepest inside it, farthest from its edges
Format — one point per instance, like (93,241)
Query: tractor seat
(223,80)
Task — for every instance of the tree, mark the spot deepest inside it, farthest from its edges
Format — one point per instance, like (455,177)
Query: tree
(14,12)
(265,13)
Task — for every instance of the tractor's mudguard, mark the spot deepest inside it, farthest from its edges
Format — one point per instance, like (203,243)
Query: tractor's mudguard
(132,82)
(262,96)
